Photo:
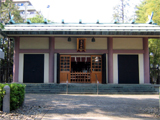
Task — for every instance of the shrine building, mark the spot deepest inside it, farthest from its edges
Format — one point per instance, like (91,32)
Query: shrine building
(81,53)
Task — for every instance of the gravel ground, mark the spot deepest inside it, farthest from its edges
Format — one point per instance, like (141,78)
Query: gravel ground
(153,111)
(29,112)
(40,106)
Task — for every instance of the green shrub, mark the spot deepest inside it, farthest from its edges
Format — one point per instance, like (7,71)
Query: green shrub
(2,92)
(17,92)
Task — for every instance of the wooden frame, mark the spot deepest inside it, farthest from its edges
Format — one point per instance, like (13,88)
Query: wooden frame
(96,63)
(96,68)
(65,68)
(80,77)
(81,44)
(65,63)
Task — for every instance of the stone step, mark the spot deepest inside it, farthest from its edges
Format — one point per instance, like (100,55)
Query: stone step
(96,90)
(93,87)
(90,89)
(143,93)
(102,86)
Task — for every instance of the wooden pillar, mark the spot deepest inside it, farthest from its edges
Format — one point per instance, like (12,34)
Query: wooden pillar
(16,59)
(110,60)
(51,59)
(146,60)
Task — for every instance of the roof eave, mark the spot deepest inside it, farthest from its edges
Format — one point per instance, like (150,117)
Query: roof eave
(150,33)
(2,34)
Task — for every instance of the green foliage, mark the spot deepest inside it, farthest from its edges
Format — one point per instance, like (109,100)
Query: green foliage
(154,51)
(1,26)
(9,6)
(17,92)
(146,8)
(17,95)
(10,50)
(37,19)
(2,92)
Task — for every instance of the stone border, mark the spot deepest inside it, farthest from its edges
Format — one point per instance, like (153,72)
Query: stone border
(6,99)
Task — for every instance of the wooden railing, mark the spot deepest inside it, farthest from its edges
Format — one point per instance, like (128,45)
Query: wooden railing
(80,77)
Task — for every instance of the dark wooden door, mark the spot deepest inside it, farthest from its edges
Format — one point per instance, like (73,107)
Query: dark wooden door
(104,69)
(33,68)
(128,72)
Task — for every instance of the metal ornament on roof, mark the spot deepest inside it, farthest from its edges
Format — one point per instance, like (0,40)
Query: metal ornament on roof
(28,22)
(115,21)
(11,21)
(80,21)
(150,18)
(133,21)
(62,21)
(97,21)
(45,21)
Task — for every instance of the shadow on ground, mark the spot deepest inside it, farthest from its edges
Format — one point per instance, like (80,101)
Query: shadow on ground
(123,106)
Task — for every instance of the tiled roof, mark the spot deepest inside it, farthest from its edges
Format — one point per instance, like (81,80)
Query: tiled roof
(76,29)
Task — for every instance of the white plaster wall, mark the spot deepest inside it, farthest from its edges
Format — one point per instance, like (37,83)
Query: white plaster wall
(46,66)
(21,65)
(62,43)
(115,68)
(55,68)
(128,43)
(100,43)
(141,68)
(34,43)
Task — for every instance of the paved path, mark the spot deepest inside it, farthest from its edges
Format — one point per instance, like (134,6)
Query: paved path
(108,107)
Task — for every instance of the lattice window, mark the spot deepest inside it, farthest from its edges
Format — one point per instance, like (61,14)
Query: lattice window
(96,63)
(80,77)
(65,63)
(81,44)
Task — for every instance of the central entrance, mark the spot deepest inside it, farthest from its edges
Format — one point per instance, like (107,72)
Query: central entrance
(80,68)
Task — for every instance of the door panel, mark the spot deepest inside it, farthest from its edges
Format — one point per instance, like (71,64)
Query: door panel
(96,68)
(94,79)
(64,76)
(65,68)
(33,68)
(128,72)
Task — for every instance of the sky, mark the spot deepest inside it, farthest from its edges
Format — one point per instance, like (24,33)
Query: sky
(73,10)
